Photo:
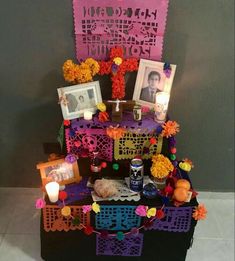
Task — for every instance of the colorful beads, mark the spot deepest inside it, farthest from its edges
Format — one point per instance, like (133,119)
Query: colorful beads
(115,166)
(172,157)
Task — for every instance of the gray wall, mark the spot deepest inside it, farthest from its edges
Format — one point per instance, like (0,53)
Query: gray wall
(37,37)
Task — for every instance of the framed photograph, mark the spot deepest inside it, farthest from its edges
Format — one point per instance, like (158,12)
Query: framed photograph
(59,171)
(77,99)
(151,79)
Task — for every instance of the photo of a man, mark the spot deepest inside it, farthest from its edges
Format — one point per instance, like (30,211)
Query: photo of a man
(148,93)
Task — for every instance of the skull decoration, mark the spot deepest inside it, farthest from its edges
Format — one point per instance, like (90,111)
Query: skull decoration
(89,142)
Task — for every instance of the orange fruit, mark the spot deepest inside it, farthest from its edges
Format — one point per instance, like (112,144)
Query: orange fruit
(182,183)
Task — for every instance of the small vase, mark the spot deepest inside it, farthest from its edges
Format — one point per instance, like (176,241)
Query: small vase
(160,183)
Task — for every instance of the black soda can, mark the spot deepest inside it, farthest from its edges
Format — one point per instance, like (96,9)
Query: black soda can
(136,175)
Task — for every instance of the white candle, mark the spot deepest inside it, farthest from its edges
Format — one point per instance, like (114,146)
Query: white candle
(87,115)
(52,189)
(161,106)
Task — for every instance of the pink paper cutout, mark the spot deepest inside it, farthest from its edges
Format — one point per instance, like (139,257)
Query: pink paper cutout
(136,25)
(91,140)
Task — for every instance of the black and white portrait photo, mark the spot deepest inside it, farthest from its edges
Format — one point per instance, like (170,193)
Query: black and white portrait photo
(154,83)
(79,98)
(151,80)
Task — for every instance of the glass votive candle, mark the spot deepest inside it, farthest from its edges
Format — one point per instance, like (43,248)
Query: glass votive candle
(161,106)
(52,189)
(87,115)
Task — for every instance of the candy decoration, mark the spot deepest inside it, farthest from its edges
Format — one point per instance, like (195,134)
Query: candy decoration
(172,156)
(160,214)
(63,195)
(66,123)
(173,150)
(104,233)
(103,116)
(120,236)
(95,207)
(66,211)
(40,203)
(76,221)
(165,200)
(103,165)
(168,189)
(148,223)
(86,208)
(141,211)
(101,106)
(185,166)
(115,166)
(151,212)
(88,230)
(134,231)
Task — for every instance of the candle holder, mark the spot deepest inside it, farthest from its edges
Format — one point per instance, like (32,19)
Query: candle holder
(161,106)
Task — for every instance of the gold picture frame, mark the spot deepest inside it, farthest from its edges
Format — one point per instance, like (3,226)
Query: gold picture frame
(59,171)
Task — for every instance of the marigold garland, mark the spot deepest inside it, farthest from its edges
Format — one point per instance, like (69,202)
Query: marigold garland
(169,129)
(82,73)
(161,166)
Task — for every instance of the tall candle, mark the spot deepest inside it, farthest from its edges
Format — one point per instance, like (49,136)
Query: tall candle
(87,115)
(161,106)
(52,189)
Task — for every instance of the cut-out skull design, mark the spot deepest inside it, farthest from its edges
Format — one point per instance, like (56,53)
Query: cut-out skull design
(89,142)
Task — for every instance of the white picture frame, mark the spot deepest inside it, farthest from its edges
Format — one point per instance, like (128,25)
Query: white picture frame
(156,69)
(77,99)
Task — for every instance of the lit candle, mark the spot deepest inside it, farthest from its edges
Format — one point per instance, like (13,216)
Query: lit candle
(87,115)
(161,106)
(52,189)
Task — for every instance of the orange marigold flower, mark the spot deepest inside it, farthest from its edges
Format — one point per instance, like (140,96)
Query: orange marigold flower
(170,128)
(80,73)
(161,166)
(199,212)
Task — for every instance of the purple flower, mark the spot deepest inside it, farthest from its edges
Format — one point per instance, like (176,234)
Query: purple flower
(167,70)
(71,158)
(114,68)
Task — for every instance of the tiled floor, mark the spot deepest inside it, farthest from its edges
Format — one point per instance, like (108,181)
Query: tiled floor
(20,240)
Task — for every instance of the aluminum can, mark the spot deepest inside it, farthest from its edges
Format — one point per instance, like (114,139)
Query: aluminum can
(136,175)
